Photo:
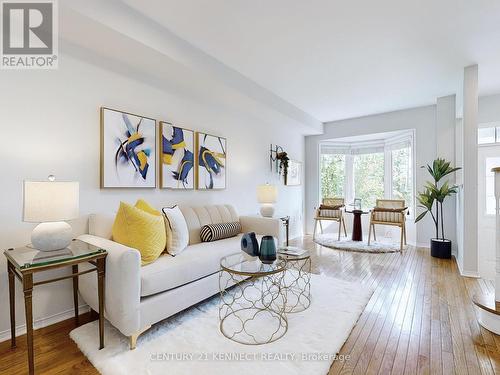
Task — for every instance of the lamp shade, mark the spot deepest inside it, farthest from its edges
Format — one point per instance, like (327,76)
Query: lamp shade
(46,201)
(267,193)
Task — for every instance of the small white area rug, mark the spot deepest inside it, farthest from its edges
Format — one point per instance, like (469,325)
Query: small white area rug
(191,343)
(331,241)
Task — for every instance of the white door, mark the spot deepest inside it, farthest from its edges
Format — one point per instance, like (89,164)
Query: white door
(488,157)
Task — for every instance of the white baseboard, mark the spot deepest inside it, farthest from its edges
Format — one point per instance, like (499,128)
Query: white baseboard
(44,322)
(423,244)
(473,274)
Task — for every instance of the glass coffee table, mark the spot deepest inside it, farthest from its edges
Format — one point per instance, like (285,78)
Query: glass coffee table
(252,299)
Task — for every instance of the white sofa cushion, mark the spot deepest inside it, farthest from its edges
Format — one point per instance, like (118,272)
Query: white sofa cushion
(195,262)
(177,230)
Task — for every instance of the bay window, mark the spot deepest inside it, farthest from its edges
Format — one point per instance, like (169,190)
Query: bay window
(368,170)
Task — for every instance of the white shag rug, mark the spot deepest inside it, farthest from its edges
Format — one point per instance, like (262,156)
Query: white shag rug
(191,343)
(331,241)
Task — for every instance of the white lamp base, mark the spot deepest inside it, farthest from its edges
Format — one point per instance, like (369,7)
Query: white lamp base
(267,209)
(51,236)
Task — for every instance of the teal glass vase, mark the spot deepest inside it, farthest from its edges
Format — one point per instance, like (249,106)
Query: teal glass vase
(267,250)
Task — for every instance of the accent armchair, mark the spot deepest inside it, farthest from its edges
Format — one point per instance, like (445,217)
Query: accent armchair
(389,212)
(331,209)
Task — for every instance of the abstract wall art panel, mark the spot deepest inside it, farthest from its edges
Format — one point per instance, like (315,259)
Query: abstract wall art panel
(128,150)
(211,158)
(176,157)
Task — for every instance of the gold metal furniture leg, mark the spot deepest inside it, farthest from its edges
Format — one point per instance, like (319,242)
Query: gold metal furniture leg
(75,292)
(101,263)
(28,292)
(133,338)
(12,300)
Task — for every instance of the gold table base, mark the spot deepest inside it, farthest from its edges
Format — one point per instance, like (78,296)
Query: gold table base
(252,309)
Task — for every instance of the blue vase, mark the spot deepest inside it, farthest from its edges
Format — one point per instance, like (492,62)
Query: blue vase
(267,250)
(249,244)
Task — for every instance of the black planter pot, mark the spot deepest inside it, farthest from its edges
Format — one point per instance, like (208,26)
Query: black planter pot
(440,248)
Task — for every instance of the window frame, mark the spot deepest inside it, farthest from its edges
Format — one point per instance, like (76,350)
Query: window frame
(488,125)
(387,145)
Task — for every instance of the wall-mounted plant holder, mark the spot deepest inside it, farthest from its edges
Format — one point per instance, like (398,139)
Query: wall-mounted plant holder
(279,158)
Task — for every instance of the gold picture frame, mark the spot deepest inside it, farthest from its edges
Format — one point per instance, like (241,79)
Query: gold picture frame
(139,167)
(294,175)
(216,164)
(183,163)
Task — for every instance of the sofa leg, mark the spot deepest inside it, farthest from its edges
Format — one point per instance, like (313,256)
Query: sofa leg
(133,338)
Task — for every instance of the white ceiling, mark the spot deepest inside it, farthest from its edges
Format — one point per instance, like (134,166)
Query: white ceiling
(341,59)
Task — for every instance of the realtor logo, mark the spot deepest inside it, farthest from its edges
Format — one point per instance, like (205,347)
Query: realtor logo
(29,35)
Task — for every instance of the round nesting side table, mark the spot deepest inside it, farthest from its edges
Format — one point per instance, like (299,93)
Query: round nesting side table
(297,282)
(252,300)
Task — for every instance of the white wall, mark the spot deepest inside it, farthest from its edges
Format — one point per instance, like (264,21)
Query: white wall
(50,124)
(489,109)
(469,265)
(445,148)
(422,119)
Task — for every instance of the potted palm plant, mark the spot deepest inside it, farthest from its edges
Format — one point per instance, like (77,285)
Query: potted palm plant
(434,195)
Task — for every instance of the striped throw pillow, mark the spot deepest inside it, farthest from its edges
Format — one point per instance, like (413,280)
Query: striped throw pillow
(214,232)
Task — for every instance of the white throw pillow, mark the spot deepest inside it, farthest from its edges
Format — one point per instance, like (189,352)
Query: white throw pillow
(177,230)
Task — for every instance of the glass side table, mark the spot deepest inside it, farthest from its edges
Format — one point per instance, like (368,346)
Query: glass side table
(23,262)
(251,296)
(297,280)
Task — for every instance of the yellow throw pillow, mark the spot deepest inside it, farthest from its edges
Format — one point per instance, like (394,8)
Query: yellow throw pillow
(141,230)
(145,206)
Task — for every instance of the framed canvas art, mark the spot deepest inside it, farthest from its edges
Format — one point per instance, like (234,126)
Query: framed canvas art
(128,150)
(211,158)
(294,175)
(176,157)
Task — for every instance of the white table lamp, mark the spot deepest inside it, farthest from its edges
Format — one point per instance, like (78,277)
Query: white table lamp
(50,203)
(267,196)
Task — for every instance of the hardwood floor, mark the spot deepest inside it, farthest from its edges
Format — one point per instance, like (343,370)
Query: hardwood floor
(420,320)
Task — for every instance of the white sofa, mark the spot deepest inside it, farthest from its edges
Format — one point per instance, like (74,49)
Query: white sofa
(137,297)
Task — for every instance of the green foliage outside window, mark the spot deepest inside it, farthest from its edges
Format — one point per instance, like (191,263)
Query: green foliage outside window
(332,175)
(369,178)
(402,182)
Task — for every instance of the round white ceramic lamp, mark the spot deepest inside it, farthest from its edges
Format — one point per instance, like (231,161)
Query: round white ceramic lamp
(50,203)
(267,196)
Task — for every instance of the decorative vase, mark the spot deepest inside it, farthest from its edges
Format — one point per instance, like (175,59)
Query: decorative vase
(440,248)
(249,244)
(267,250)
